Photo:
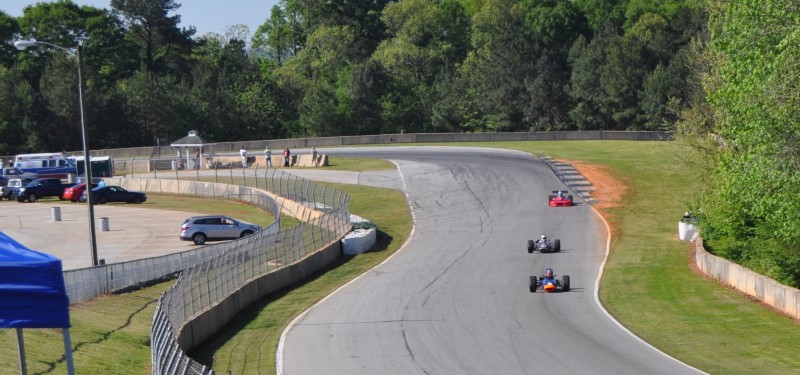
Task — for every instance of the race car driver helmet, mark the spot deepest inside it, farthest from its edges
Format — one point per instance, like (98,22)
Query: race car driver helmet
(548,272)
(544,238)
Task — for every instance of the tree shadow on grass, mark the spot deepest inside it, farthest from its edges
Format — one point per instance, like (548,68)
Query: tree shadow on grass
(104,336)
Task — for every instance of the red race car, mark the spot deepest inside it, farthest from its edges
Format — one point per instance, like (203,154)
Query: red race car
(559,198)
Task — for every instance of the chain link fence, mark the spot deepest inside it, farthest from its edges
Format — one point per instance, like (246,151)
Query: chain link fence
(210,293)
(86,283)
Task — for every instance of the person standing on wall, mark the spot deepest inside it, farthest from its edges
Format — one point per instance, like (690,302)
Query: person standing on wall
(243,154)
(314,157)
(268,157)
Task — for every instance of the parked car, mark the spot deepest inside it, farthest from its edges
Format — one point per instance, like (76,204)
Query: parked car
(200,229)
(5,191)
(74,192)
(39,188)
(105,194)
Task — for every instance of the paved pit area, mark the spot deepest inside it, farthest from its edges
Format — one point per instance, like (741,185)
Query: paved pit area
(136,231)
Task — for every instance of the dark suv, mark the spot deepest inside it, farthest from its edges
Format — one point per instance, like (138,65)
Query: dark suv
(200,229)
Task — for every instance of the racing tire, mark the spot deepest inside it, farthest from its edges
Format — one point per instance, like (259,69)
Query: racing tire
(101,200)
(533,284)
(565,283)
(531,246)
(199,238)
(569,197)
(246,233)
(32,198)
(137,200)
(557,246)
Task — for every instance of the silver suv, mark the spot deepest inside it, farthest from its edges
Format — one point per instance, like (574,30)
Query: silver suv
(200,229)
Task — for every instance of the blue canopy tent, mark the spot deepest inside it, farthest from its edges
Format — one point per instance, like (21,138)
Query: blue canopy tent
(32,294)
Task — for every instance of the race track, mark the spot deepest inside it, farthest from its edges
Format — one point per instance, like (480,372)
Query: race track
(455,299)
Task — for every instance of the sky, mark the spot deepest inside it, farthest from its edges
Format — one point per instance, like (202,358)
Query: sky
(207,16)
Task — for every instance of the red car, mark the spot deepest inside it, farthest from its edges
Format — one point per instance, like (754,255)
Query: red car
(73,193)
(559,198)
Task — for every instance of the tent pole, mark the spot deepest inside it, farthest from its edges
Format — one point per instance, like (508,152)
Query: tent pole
(23,367)
(68,352)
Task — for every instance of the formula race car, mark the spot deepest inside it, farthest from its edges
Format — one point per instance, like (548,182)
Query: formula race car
(559,198)
(543,245)
(549,282)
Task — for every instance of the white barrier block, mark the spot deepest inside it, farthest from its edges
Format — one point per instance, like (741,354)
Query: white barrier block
(359,241)
(687,232)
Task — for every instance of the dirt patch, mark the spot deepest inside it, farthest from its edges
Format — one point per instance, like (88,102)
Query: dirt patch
(608,191)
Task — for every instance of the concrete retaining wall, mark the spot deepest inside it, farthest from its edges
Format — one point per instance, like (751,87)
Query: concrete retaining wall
(783,298)
(205,325)
(278,145)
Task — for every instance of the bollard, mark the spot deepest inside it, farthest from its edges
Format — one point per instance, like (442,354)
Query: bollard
(104,226)
(55,214)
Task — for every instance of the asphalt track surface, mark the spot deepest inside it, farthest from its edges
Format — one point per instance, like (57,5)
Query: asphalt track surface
(455,299)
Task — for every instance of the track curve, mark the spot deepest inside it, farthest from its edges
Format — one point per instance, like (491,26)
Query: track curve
(455,299)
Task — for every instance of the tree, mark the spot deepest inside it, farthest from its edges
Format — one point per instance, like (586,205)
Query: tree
(275,36)
(8,27)
(163,46)
(749,213)
(416,54)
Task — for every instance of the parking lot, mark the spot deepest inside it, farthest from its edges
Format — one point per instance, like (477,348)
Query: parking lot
(134,232)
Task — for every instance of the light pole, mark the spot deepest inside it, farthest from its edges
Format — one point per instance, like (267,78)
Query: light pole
(87,163)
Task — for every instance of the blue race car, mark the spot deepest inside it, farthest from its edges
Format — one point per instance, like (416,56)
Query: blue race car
(549,282)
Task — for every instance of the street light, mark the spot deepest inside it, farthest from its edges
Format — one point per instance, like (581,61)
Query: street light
(22,45)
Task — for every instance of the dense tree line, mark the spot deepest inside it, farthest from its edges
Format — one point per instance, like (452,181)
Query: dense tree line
(323,68)
(746,131)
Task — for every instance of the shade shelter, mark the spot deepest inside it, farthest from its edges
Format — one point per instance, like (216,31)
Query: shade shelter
(33,294)
(191,144)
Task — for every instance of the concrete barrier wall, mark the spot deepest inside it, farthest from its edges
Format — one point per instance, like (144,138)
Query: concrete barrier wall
(278,145)
(781,297)
(205,325)
(583,136)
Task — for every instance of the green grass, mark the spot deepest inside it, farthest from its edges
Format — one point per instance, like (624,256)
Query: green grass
(648,285)
(356,164)
(110,335)
(239,210)
(248,345)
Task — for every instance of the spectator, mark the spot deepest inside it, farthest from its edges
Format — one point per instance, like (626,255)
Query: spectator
(268,157)
(286,155)
(243,154)
(197,158)
(314,156)
(101,183)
